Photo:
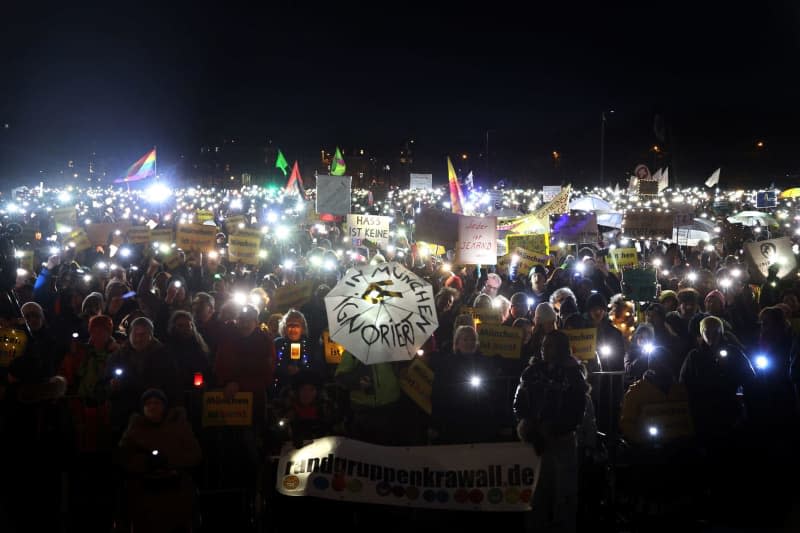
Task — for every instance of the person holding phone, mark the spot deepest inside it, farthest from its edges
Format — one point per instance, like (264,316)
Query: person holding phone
(292,348)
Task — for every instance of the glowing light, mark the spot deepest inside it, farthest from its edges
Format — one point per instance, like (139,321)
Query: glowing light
(653,431)
(605,350)
(761,362)
(158,193)
(239,298)
(475,381)
(723,353)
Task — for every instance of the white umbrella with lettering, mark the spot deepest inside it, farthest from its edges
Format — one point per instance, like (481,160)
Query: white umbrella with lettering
(381,313)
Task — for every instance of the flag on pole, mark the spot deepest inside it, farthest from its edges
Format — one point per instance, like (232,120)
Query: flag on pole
(280,162)
(143,168)
(295,183)
(468,180)
(663,180)
(713,179)
(456,198)
(338,168)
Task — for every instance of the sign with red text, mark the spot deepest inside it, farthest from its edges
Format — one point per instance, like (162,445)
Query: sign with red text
(477,241)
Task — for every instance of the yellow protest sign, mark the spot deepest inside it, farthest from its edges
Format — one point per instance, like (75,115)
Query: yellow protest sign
(527,259)
(243,246)
(197,237)
(583,343)
(481,316)
(202,215)
(672,419)
(12,345)
(232,223)
(162,236)
(80,239)
(333,350)
(417,383)
(620,258)
(217,411)
(539,243)
(291,296)
(430,249)
(504,341)
(66,218)
(139,235)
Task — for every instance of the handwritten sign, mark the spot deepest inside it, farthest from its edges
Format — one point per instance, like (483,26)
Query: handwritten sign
(477,241)
(672,419)
(197,237)
(503,341)
(527,259)
(80,239)
(139,235)
(202,215)
(26,260)
(217,411)
(243,246)
(620,258)
(162,236)
(760,255)
(369,227)
(291,296)
(333,350)
(420,181)
(549,192)
(539,243)
(583,343)
(233,223)
(417,383)
(482,315)
(104,232)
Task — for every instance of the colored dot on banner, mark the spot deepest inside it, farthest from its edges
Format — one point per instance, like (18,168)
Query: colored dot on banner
(339,483)
(321,483)
(355,485)
(383,488)
(399,491)
(525,495)
(476,496)
(412,493)
(429,495)
(460,495)
(442,496)
(495,495)
(512,495)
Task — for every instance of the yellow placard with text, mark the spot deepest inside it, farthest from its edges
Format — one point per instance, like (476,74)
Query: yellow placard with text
(162,236)
(65,217)
(80,239)
(197,237)
(481,316)
(203,215)
(620,258)
(139,235)
(504,341)
(12,345)
(333,350)
(243,246)
(583,343)
(232,223)
(539,243)
(672,419)
(217,411)
(417,383)
(527,259)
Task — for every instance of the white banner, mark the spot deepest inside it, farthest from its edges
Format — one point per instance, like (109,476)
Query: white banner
(420,181)
(476,477)
(368,227)
(549,192)
(477,241)
(333,195)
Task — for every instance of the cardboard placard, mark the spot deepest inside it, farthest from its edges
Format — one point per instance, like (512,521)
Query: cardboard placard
(417,383)
(481,316)
(202,215)
(374,229)
(760,255)
(65,217)
(232,223)
(641,284)
(621,258)
(12,345)
(333,350)
(138,235)
(420,181)
(26,260)
(197,237)
(527,259)
(648,187)
(102,233)
(243,246)
(432,225)
(539,243)
(477,241)
(80,239)
(219,412)
(672,419)
(574,228)
(648,224)
(291,296)
(583,343)
(549,192)
(333,195)
(162,236)
(503,341)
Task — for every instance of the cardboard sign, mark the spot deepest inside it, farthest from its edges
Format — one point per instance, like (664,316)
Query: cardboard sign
(583,343)
(25,260)
(535,243)
(672,419)
(648,187)
(197,237)
(333,350)
(477,241)
(648,224)
(66,218)
(641,284)
(162,236)
(420,181)
(760,255)
(12,345)
(291,296)
(574,228)
(232,223)
(549,192)
(621,258)
(219,412)
(432,225)
(526,260)
(417,383)
(243,246)
(102,233)
(766,199)
(503,341)
(481,316)
(139,235)
(202,215)
(80,239)
(333,195)
(374,229)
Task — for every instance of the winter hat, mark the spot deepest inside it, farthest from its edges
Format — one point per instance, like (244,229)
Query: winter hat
(154,393)
(101,321)
(714,294)
(596,300)
(544,313)
(454,282)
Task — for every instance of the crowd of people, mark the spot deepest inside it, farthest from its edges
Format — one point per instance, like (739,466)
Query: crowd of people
(105,402)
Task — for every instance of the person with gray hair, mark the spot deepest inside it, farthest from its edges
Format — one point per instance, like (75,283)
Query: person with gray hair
(206,321)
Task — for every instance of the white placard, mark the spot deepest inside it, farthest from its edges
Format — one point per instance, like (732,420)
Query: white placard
(420,181)
(333,195)
(549,192)
(369,227)
(477,241)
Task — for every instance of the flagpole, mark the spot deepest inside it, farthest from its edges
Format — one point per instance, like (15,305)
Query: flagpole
(155,149)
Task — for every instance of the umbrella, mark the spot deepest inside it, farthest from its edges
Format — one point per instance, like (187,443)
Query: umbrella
(794,192)
(381,313)
(590,203)
(753,218)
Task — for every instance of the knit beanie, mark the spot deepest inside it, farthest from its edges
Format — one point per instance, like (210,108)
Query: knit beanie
(544,313)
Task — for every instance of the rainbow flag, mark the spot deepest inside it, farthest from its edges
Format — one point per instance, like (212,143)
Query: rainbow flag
(143,168)
(456,198)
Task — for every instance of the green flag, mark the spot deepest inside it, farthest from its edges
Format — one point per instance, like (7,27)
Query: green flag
(338,168)
(280,162)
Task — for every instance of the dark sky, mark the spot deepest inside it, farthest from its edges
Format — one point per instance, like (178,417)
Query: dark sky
(75,81)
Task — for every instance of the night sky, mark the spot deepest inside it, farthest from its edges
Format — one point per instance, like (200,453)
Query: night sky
(76,81)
